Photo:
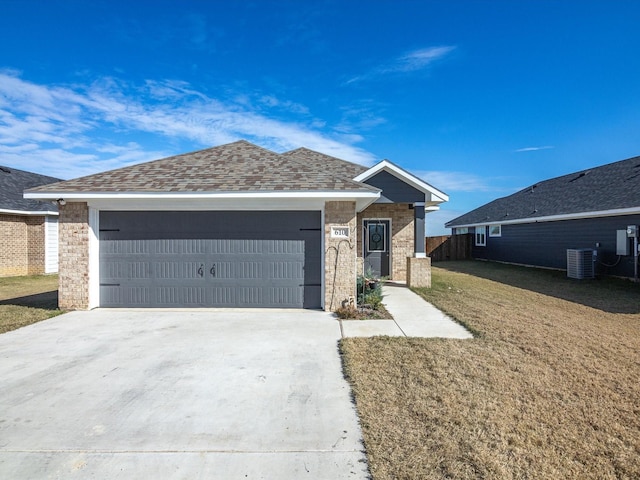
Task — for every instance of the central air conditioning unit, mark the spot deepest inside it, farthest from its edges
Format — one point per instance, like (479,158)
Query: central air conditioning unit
(580,263)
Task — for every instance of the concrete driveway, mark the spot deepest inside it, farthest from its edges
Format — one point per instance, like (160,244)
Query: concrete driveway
(215,394)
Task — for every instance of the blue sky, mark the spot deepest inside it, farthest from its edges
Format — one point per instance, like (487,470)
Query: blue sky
(479,98)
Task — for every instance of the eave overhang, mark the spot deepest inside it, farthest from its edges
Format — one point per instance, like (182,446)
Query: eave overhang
(30,213)
(551,218)
(269,200)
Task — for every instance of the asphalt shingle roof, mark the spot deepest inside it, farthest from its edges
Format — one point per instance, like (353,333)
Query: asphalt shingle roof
(335,165)
(13,182)
(234,167)
(607,187)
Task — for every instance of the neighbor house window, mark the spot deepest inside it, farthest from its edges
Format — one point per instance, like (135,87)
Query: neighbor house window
(462,230)
(495,230)
(481,236)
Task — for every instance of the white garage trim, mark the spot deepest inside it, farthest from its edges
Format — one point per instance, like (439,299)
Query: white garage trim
(50,244)
(94,258)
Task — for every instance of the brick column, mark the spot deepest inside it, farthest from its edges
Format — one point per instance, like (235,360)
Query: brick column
(73,293)
(340,255)
(419,272)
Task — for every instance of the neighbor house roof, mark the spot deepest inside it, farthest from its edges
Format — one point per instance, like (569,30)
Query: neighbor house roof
(234,167)
(13,182)
(612,189)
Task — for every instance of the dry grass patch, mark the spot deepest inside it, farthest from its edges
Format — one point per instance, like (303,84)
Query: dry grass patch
(26,300)
(549,389)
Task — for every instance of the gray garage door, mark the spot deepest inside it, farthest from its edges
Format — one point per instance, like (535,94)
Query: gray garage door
(210,259)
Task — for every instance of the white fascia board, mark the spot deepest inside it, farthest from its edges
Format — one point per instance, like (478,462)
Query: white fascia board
(436,195)
(85,196)
(555,218)
(215,201)
(27,213)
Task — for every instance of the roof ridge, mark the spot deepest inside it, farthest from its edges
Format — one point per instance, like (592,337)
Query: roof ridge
(236,166)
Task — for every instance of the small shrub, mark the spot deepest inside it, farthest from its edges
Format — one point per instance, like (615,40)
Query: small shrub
(369,292)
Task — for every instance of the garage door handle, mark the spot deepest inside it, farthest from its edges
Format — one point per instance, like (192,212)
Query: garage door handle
(213,271)
(201,271)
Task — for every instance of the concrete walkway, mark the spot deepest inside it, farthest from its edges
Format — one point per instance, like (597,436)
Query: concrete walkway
(413,317)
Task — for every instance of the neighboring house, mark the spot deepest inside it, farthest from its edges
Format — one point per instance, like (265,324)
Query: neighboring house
(589,209)
(238,226)
(28,228)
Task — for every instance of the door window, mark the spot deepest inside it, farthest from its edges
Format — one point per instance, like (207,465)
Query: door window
(376,237)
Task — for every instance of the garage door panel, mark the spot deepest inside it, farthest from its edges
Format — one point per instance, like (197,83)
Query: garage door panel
(179,263)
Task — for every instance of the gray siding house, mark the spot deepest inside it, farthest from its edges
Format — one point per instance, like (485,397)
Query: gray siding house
(589,209)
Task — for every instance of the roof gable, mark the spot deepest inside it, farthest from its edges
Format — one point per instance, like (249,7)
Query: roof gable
(614,187)
(394,190)
(13,182)
(433,195)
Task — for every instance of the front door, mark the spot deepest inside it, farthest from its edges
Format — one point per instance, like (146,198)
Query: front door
(376,246)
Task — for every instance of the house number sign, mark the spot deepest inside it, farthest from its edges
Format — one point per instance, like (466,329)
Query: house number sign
(339,232)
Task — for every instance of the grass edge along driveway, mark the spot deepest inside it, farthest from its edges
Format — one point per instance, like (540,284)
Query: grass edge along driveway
(26,300)
(550,387)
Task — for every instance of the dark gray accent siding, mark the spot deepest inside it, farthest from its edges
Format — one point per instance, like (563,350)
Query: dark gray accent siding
(394,190)
(545,244)
(210,259)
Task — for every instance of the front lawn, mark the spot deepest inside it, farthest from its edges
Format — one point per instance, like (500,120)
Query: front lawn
(549,388)
(26,300)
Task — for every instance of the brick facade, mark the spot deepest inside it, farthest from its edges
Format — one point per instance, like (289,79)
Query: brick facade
(74,257)
(419,272)
(402,235)
(340,255)
(23,245)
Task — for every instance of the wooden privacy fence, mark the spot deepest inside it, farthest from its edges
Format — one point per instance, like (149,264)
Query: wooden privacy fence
(449,247)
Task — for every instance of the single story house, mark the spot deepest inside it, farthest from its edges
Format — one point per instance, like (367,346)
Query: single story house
(28,228)
(590,209)
(238,226)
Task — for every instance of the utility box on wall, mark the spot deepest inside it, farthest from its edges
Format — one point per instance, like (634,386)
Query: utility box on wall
(622,243)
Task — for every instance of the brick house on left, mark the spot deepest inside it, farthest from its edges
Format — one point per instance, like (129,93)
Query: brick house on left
(238,226)
(28,228)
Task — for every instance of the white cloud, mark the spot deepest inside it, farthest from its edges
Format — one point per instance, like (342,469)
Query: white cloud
(78,129)
(409,62)
(418,59)
(534,149)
